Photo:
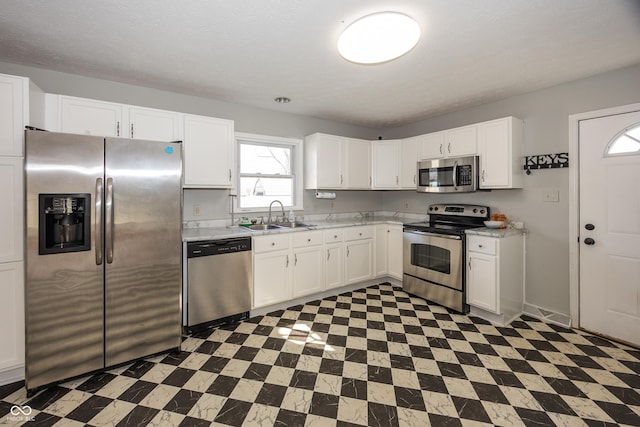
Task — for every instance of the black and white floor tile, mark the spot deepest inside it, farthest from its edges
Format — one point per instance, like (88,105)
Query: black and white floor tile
(371,357)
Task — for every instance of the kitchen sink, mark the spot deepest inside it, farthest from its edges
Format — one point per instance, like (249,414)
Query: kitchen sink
(294,224)
(261,227)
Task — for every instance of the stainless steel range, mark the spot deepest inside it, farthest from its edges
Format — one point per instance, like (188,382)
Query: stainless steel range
(434,254)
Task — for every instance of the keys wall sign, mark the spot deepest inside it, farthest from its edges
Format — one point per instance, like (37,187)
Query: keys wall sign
(546,161)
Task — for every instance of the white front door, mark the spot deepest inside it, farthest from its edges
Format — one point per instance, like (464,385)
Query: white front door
(610,226)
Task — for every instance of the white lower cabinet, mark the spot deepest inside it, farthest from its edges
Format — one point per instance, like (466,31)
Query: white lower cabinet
(308,277)
(11,317)
(271,272)
(389,250)
(495,276)
(333,259)
(358,244)
(286,266)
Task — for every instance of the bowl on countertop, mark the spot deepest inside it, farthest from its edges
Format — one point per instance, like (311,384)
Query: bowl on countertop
(494,224)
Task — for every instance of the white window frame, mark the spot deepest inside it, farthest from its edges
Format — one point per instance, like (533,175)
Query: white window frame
(296,167)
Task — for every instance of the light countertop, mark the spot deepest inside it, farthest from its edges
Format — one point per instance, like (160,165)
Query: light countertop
(494,232)
(213,233)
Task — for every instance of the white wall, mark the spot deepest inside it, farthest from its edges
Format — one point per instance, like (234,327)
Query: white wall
(546,117)
(544,112)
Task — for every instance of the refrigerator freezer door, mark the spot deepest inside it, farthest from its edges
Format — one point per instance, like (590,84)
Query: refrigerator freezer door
(64,291)
(143,248)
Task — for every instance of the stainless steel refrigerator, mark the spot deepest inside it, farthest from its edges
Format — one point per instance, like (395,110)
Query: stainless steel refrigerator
(103,253)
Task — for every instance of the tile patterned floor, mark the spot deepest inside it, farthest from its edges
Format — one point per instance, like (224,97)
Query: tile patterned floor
(372,357)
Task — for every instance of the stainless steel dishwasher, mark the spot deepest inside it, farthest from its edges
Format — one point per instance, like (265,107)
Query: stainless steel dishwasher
(219,282)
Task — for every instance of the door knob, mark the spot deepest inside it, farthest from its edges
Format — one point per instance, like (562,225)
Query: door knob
(589,241)
(590,227)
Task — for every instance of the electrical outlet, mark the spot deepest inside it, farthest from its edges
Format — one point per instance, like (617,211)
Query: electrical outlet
(551,195)
(196,210)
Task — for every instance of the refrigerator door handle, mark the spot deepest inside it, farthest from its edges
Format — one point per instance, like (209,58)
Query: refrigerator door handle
(99,231)
(109,220)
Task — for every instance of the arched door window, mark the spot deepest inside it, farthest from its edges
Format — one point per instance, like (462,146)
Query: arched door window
(625,142)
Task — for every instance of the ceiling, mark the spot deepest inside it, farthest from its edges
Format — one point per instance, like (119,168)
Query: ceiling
(252,51)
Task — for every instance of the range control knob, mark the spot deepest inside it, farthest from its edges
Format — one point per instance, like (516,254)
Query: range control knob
(475,210)
(436,208)
(430,208)
(482,211)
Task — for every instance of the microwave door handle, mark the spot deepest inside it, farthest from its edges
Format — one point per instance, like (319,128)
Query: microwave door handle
(455,175)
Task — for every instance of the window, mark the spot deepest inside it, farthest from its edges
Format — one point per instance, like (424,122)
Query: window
(626,142)
(270,168)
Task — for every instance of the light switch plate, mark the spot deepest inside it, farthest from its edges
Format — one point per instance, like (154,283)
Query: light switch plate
(551,195)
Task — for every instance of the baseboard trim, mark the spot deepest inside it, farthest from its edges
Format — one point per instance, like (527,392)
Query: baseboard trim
(547,315)
(12,375)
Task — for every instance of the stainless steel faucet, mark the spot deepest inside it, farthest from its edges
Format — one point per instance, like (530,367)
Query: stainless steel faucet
(271,204)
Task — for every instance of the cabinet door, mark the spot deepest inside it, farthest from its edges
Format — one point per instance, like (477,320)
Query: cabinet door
(11,315)
(394,251)
(271,278)
(12,112)
(431,146)
(357,163)
(329,162)
(482,286)
(307,271)
(155,125)
(334,265)
(90,117)
(382,250)
(408,163)
(208,152)
(11,210)
(494,144)
(462,141)
(386,164)
(359,261)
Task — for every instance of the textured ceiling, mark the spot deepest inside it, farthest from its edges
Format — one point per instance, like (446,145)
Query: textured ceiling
(251,51)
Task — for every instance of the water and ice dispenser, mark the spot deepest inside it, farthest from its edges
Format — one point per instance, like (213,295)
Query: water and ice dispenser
(64,223)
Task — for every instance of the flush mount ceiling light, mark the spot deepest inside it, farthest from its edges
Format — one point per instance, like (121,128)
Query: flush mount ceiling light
(379,37)
(282,99)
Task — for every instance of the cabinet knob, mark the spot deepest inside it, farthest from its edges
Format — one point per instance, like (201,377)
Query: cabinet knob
(273,243)
(308,240)
(479,246)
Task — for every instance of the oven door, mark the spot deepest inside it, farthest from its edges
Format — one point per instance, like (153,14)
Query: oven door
(436,258)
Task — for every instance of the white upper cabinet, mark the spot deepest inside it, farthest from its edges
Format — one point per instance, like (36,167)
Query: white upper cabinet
(408,163)
(21,104)
(386,164)
(110,119)
(461,141)
(154,125)
(90,117)
(358,167)
(455,142)
(323,161)
(500,145)
(394,164)
(336,162)
(208,152)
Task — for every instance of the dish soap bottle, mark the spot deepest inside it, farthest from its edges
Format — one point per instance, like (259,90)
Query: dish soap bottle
(292,217)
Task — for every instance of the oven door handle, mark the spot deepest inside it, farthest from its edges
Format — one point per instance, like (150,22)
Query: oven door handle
(455,175)
(425,233)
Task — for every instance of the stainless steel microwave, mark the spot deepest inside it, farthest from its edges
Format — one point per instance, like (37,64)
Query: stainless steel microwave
(452,175)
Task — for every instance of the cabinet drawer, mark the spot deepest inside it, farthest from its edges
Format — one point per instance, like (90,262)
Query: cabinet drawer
(274,242)
(482,244)
(357,233)
(333,236)
(306,238)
